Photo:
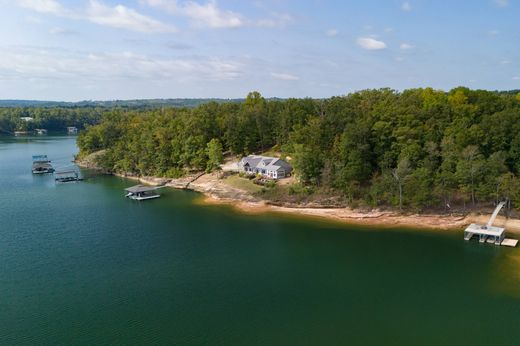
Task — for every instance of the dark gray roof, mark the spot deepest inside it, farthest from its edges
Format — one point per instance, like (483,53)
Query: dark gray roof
(278,164)
(266,162)
(140,188)
(46,165)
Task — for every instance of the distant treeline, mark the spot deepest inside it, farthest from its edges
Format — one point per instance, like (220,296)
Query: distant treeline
(51,119)
(418,148)
(133,104)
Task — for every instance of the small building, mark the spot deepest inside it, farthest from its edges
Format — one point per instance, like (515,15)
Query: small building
(27,119)
(41,131)
(269,167)
(72,130)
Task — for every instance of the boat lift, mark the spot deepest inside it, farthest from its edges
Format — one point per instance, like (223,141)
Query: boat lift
(489,233)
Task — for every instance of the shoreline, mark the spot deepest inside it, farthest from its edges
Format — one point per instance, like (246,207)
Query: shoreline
(215,192)
(375,218)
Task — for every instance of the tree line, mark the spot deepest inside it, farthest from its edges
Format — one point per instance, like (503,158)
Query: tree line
(51,119)
(415,149)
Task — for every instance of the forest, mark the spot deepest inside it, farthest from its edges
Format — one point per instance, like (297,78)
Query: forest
(53,119)
(413,149)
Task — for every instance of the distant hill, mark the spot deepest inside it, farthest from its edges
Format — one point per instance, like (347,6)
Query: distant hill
(147,103)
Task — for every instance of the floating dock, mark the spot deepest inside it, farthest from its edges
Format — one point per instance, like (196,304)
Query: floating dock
(488,233)
(509,242)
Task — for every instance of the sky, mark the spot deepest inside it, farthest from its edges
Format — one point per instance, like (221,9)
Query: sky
(72,50)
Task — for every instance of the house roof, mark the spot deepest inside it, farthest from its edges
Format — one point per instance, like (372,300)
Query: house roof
(266,162)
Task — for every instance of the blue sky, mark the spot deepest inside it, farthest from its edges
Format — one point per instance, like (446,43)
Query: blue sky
(115,49)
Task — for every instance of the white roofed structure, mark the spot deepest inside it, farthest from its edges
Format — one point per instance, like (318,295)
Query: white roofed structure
(489,233)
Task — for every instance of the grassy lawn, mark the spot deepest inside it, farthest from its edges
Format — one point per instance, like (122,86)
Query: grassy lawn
(242,183)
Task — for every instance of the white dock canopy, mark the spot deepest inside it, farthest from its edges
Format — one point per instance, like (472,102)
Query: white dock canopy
(495,234)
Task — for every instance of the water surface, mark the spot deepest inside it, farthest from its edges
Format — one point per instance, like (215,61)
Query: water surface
(80,264)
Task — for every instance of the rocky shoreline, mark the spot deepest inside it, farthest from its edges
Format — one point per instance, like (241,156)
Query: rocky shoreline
(217,192)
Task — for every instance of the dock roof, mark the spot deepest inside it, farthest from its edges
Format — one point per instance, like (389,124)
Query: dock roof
(486,230)
(140,188)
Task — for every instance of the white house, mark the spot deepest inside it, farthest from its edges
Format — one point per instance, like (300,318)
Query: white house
(269,167)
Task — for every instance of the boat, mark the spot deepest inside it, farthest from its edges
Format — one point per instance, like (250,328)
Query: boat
(41,165)
(67,176)
(141,192)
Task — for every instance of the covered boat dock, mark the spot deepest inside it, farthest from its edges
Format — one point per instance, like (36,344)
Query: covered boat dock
(41,165)
(67,176)
(485,233)
(488,233)
(141,192)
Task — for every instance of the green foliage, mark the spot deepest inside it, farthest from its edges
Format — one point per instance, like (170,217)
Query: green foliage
(214,152)
(414,149)
(298,189)
(51,119)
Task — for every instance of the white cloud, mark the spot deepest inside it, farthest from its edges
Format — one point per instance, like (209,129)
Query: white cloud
(493,32)
(123,17)
(118,16)
(41,63)
(516,78)
(331,32)
(61,31)
(406,6)
(210,15)
(43,6)
(203,15)
(505,62)
(501,3)
(405,46)
(370,43)
(276,20)
(284,76)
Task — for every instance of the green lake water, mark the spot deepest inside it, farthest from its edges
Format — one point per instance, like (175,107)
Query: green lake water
(82,265)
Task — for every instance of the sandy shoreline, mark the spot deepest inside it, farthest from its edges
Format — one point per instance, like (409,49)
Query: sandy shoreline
(216,192)
(370,218)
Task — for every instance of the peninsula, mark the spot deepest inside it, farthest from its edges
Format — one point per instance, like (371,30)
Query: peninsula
(418,158)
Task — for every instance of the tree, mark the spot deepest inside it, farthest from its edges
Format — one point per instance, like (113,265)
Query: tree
(214,152)
(400,173)
(308,164)
(469,169)
(406,149)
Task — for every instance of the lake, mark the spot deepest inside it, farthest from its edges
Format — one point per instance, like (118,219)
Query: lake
(82,265)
